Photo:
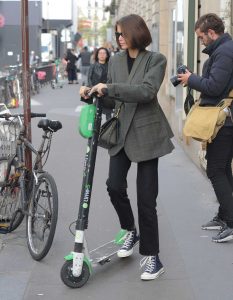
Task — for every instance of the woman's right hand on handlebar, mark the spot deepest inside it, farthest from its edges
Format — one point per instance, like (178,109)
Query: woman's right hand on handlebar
(84,91)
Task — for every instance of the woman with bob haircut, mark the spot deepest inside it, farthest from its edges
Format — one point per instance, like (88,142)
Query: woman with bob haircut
(134,78)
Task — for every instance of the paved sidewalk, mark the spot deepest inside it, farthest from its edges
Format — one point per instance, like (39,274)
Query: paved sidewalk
(195,267)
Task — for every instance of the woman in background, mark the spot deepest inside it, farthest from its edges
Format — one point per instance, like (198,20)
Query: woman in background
(98,73)
(71,69)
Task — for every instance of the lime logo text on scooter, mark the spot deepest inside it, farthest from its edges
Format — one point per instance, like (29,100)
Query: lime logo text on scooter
(86,196)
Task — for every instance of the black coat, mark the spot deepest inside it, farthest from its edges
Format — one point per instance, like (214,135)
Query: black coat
(71,60)
(217,74)
(97,73)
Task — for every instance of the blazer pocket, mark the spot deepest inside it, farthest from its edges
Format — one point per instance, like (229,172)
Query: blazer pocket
(146,121)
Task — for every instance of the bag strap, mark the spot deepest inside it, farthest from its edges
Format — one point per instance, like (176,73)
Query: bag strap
(189,91)
(118,111)
(225,102)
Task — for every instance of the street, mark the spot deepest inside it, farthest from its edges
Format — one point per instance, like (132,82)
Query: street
(195,267)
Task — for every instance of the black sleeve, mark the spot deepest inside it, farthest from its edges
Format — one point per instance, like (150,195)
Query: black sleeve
(89,76)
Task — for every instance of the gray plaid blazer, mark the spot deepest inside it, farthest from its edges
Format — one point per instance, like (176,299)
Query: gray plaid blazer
(144,130)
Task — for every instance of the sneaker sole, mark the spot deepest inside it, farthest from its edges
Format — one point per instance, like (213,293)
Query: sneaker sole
(226,239)
(125,253)
(152,276)
(212,228)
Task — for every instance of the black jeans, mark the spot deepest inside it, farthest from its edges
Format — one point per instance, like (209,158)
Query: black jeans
(219,156)
(147,191)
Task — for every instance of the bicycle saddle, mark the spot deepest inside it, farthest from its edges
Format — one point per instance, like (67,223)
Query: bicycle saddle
(50,125)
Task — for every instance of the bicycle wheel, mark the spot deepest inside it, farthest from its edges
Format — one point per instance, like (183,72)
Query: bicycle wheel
(42,217)
(10,205)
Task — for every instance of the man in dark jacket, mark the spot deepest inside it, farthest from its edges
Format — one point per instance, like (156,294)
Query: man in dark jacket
(215,84)
(85,57)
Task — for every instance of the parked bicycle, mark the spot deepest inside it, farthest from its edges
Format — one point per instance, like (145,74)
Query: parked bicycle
(12,89)
(29,193)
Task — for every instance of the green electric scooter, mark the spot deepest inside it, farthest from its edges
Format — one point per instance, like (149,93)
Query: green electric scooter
(79,263)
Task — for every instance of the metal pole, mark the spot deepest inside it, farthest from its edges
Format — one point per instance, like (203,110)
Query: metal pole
(26,79)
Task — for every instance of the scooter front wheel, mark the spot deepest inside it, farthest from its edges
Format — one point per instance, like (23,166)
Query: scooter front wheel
(69,279)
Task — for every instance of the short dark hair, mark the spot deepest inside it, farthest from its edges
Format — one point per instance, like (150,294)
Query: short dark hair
(210,21)
(135,31)
(97,52)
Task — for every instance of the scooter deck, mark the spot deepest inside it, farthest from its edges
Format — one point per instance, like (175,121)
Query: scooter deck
(103,253)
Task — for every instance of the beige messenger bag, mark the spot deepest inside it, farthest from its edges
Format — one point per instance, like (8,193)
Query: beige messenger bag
(203,122)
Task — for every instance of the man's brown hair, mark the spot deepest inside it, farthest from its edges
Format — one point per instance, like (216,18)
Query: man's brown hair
(135,32)
(210,21)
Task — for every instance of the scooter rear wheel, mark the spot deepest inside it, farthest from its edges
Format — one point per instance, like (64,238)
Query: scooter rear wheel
(69,279)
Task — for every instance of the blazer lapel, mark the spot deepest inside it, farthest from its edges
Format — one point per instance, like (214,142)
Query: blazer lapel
(136,64)
(131,107)
(123,67)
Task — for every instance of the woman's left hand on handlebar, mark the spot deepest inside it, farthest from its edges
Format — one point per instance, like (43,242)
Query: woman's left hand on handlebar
(84,92)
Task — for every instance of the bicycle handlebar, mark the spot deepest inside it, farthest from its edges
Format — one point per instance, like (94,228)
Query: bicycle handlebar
(38,115)
(33,115)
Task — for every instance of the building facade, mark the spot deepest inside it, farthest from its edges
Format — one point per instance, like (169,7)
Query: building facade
(171,23)
(92,22)
(10,30)
(57,28)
